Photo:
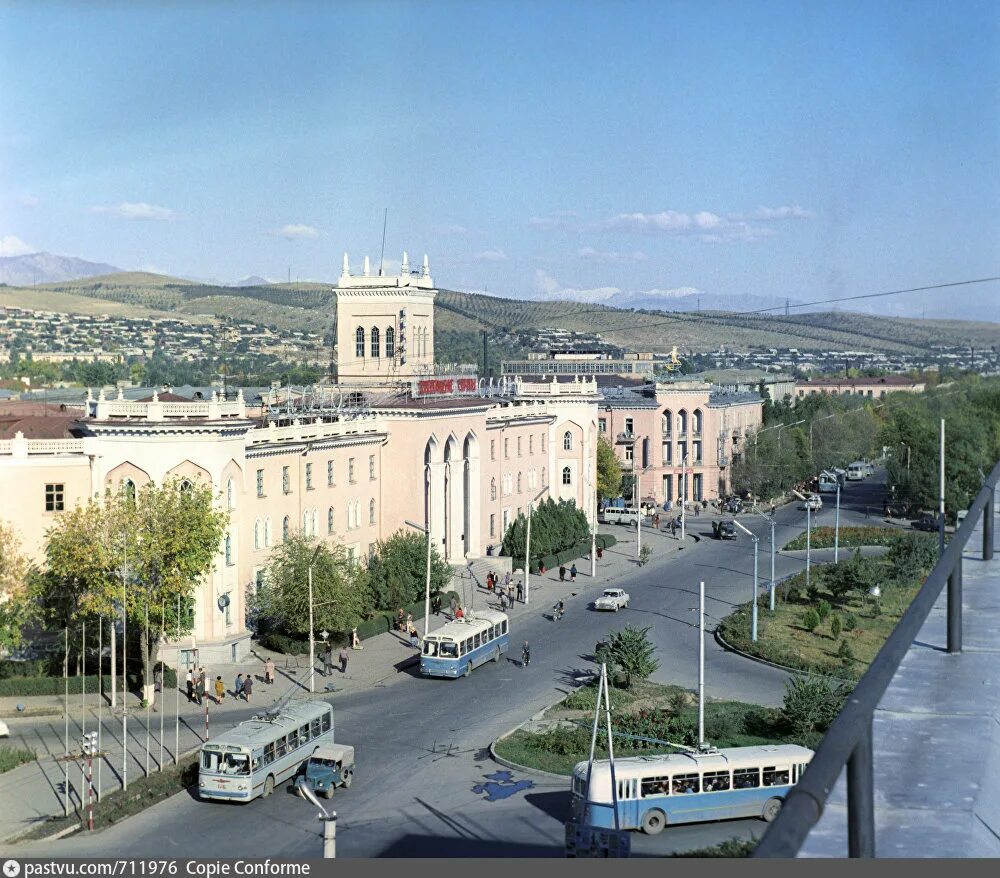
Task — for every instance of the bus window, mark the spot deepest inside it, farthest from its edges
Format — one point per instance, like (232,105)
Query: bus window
(269,753)
(293,740)
(210,761)
(304,734)
(326,722)
(468,646)
(775,777)
(716,781)
(255,760)
(280,747)
(236,763)
(625,789)
(503,627)
(686,783)
(488,635)
(449,650)
(476,643)
(746,778)
(430,647)
(655,786)
(314,728)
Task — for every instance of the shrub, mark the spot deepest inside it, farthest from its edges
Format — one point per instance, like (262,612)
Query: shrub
(555,527)
(845,652)
(850,622)
(277,642)
(605,541)
(677,703)
(813,592)
(823,609)
(759,722)
(723,725)
(835,628)
(793,595)
(563,740)
(811,703)
(28,686)
(810,619)
(631,654)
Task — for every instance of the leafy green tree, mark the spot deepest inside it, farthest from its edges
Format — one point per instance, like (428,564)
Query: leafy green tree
(856,575)
(555,527)
(16,606)
(609,470)
(397,572)
(810,620)
(811,704)
(340,590)
(630,653)
(835,627)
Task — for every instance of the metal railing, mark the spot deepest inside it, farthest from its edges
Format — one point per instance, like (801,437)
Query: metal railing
(848,741)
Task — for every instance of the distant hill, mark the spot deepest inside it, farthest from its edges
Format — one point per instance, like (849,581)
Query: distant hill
(252,281)
(45,268)
(312,307)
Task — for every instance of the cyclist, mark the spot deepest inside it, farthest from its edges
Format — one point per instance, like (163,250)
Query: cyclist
(525,655)
(559,609)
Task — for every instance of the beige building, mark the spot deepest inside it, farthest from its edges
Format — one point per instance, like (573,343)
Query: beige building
(392,442)
(875,387)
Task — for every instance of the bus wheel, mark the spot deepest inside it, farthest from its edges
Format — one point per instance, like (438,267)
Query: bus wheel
(268,786)
(653,822)
(772,808)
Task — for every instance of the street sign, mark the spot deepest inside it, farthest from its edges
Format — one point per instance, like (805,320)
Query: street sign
(595,842)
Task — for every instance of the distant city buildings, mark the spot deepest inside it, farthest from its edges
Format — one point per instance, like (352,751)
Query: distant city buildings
(875,387)
(581,362)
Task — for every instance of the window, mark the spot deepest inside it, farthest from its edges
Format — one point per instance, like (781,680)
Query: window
(350,470)
(359,343)
(286,482)
(774,777)
(229,551)
(667,423)
(685,784)
(260,483)
(697,422)
(567,441)
(477,640)
(667,452)
(269,753)
(716,781)
(602,425)
(682,451)
(567,476)
(655,786)
(519,446)
(371,511)
(531,445)
(493,449)
(493,521)
(506,519)
(54,498)
(506,448)
(493,489)
(543,443)
(329,473)
(329,521)
(293,740)
(390,342)
(544,483)
(186,486)
(257,528)
(304,734)
(371,467)
(314,730)
(326,722)
(305,523)
(629,425)
(357,513)
(696,487)
(375,342)
(284,528)
(696,450)
(128,490)
(280,747)
(518,483)
(229,494)
(309,476)
(746,778)
(629,452)
(267,532)
(682,422)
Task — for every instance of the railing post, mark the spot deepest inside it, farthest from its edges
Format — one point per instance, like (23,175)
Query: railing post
(988,516)
(955,608)
(861,798)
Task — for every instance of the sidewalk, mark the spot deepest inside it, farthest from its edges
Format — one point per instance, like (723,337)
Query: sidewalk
(36,791)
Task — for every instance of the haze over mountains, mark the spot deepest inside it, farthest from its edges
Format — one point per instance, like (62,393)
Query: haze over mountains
(47,268)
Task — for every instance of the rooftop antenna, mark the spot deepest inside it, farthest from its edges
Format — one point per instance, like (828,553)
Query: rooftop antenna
(381,259)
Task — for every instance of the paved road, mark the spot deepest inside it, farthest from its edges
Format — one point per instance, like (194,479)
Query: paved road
(425,785)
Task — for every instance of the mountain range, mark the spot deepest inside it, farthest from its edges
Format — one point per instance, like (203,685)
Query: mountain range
(47,268)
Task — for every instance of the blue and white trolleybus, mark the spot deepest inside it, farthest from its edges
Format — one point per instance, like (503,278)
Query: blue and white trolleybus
(459,646)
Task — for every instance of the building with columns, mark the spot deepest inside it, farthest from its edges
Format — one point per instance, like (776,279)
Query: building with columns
(349,463)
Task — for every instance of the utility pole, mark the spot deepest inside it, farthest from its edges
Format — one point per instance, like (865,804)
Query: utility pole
(808,503)
(756,547)
(486,360)
(701,663)
(312,645)
(941,511)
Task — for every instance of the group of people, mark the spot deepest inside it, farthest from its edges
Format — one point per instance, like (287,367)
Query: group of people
(196,682)
(562,573)
(506,590)
(343,657)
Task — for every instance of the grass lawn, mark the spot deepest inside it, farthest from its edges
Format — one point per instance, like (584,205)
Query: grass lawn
(650,710)
(12,757)
(850,537)
(116,806)
(783,638)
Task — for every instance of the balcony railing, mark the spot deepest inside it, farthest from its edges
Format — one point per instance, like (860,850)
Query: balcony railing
(625,438)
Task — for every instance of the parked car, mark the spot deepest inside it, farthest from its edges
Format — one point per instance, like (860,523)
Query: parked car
(927,521)
(612,599)
(813,502)
(724,530)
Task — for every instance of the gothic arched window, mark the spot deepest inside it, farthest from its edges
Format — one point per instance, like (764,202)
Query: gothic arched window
(375,342)
(359,343)
(390,342)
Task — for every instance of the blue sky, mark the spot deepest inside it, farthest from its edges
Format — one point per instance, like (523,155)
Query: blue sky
(544,148)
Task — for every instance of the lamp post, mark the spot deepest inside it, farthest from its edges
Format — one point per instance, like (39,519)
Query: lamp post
(527,545)
(427,578)
(328,818)
(684,494)
(771,521)
(836,525)
(808,503)
(756,547)
(312,646)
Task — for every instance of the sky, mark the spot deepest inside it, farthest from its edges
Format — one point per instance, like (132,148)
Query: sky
(590,150)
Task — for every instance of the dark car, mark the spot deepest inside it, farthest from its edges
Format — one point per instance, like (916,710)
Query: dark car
(724,530)
(926,522)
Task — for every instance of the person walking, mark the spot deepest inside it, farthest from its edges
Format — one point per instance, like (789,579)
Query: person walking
(220,690)
(158,679)
(248,687)
(562,572)
(409,621)
(355,640)
(328,660)
(673,527)
(199,687)
(453,605)
(202,684)
(344,656)
(503,599)
(506,580)
(520,591)
(189,682)
(238,687)
(572,573)
(525,655)
(269,671)
(510,595)
(414,637)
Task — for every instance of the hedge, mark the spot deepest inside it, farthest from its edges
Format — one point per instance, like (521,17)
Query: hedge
(28,686)
(604,541)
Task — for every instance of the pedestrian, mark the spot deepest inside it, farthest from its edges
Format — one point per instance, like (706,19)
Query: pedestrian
(562,572)
(503,599)
(414,637)
(773,509)
(344,656)
(506,579)
(158,679)
(697,510)
(199,687)
(572,573)
(525,655)
(328,660)
(520,591)
(600,552)
(202,684)
(409,621)
(510,595)
(248,687)
(459,613)
(355,640)
(673,527)
(436,604)
(453,605)
(399,619)
(269,671)
(220,690)
(238,687)
(189,682)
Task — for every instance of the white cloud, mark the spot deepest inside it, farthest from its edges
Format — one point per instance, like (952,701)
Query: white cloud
(781,213)
(549,288)
(559,219)
(296,231)
(665,221)
(11,245)
(591,255)
(28,200)
(490,256)
(706,225)
(135,210)
(452,229)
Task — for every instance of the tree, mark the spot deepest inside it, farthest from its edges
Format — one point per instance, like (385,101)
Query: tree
(609,470)
(630,653)
(810,619)
(858,575)
(397,572)
(340,595)
(16,607)
(555,527)
(811,704)
(835,628)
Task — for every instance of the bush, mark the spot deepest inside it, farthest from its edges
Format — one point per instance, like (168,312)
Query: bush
(29,686)
(810,620)
(813,592)
(793,595)
(631,654)
(835,627)
(811,703)
(850,622)
(759,722)
(845,653)
(277,642)
(723,725)
(564,740)
(823,609)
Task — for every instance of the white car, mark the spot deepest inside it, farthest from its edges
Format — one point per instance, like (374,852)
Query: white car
(612,599)
(813,502)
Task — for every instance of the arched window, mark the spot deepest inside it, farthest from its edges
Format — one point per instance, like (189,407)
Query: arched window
(186,486)
(371,511)
(305,523)
(329,520)
(375,342)
(682,422)
(390,342)
(256,534)
(229,494)
(518,483)
(493,489)
(567,441)
(350,519)
(229,550)
(357,513)
(359,343)
(267,532)
(128,489)
(284,528)
(668,423)
(697,421)
(543,477)
(567,476)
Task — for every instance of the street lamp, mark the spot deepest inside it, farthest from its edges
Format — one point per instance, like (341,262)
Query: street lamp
(836,526)
(637,489)
(527,545)
(771,520)
(427,580)
(808,503)
(312,646)
(756,547)
(328,818)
